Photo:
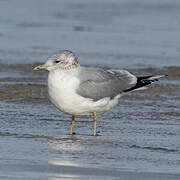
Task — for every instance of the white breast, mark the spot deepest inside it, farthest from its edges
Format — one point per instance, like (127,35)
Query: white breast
(62,93)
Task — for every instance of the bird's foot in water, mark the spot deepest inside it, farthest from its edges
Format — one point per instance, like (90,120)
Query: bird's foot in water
(73,134)
(97,134)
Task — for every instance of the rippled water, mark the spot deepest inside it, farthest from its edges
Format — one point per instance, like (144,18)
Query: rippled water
(141,134)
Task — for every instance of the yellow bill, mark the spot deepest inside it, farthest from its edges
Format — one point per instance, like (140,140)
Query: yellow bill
(43,66)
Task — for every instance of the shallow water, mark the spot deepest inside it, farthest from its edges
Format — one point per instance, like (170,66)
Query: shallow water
(137,137)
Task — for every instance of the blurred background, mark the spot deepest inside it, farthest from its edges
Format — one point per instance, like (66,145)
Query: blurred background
(141,134)
(115,33)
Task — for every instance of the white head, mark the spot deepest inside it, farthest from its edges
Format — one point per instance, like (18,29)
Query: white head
(65,60)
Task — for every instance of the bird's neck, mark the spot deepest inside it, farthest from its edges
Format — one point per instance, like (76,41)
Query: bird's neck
(60,71)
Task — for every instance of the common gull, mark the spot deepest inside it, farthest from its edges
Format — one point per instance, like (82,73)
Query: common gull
(79,91)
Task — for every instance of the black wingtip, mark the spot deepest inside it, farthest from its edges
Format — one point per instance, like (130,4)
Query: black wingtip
(144,81)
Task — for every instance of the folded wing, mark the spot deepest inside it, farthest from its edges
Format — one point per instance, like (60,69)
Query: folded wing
(97,83)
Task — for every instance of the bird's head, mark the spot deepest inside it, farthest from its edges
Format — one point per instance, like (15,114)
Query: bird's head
(65,60)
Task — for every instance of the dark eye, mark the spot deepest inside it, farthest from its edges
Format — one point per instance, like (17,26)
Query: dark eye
(57,61)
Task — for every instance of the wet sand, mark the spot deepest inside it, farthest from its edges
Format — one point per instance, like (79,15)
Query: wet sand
(138,139)
(72,172)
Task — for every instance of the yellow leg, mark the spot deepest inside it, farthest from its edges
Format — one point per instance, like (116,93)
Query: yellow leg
(95,123)
(72,125)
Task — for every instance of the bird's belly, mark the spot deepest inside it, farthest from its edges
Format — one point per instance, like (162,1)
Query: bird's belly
(69,102)
(77,105)
(63,95)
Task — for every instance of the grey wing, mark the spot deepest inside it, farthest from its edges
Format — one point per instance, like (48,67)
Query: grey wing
(96,83)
